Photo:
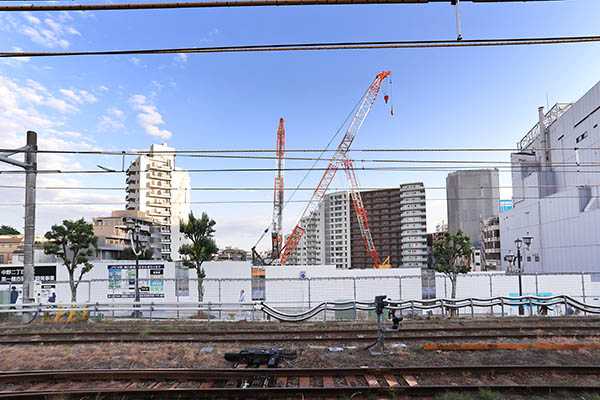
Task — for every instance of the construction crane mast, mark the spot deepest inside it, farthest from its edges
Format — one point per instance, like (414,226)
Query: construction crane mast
(276,236)
(340,159)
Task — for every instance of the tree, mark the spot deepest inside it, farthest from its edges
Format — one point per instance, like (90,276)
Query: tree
(450,257)
(128,254)
(203,247)
(72,242)
(8,230)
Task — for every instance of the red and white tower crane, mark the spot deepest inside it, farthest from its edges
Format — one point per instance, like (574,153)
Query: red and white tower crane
(276,237)
(340,159)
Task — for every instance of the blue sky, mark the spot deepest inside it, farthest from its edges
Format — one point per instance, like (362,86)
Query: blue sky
(466,97)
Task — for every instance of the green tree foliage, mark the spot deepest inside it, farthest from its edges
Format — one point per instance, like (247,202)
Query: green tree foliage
(72,242)
(8,230)
(451,257)
(128,254)
(200,232)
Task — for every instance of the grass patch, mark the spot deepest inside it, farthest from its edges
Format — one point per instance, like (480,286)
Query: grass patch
(144,333)
(454,396)
(488,394)
(591,396)
(417,349)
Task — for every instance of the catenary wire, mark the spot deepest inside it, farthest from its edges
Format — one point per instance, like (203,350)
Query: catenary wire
(217,202)
(353,150)
(227,4)
(318,46)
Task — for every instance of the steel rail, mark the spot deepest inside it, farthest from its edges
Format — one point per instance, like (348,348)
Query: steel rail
(296,339)
(272,390)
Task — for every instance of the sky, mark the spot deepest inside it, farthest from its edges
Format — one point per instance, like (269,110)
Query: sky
(442,98)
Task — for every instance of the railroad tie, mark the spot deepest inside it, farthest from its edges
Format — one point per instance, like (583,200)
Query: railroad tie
(351,381)
(206,385)
(391,381)
(372,381)
(410,380)
(281,382)
(304,381)
(328,381)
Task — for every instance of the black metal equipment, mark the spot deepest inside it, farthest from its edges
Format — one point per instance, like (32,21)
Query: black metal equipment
(380,305)
(257,357)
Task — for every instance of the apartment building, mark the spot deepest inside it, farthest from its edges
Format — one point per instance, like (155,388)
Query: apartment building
(113,237)
(490,236)
(162,191)
(556,189)
(337,235)
(310,250)
(383,211)
(413,225)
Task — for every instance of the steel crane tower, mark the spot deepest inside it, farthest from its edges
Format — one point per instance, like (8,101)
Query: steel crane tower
(340,159)
(276,237)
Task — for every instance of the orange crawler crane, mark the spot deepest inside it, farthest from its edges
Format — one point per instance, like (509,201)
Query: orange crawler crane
(340,159)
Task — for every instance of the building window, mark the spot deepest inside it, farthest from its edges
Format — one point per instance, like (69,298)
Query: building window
(581,137)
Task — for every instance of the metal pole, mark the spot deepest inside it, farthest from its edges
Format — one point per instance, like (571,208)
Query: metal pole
(521,310)
(30,176)
(458,30)
(137,287)
(220,300)
(583,291)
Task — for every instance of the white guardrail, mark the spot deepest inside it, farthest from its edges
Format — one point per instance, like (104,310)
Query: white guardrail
(535,305)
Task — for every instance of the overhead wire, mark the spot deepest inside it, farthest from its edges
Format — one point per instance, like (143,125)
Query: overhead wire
(317,46)
(353,150)
(227,4)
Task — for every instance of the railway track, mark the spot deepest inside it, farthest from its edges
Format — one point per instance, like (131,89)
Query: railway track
(455,334)
(284,382)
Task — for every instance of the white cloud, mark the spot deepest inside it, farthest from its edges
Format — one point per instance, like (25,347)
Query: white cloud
(135,60)
(22,108)
(181,58)
(60,105)
(16,61)
(51,32)
(108,124)
(78,96)
(149,117)
(103,88)
(116,112)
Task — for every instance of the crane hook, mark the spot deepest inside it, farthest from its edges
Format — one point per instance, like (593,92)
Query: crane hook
(386,98)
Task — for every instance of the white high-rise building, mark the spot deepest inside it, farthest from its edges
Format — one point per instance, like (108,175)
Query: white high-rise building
(161,190)
(310,249)
(337,229)
(556,190)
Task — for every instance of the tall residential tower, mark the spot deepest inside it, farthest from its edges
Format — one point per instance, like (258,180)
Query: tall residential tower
(156,187)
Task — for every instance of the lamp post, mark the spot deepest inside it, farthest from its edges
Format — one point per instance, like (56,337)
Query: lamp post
(527,239)
(133,229)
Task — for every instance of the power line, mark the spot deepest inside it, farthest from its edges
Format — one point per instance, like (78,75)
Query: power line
(229,4)
(216,202)
(319,46)
(354,150)
(270,189)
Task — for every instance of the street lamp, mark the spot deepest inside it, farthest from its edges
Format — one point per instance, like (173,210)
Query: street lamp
(133,230)
(527,239)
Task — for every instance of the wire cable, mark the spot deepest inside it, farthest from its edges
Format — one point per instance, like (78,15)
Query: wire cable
(227,4)
(318,46)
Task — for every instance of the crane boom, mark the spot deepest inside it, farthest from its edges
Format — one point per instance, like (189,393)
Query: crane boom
(338,159)
(276,237)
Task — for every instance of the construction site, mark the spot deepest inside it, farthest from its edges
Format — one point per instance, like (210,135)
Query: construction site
(407,249)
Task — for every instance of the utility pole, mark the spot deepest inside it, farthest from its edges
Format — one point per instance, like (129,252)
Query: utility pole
(30,166)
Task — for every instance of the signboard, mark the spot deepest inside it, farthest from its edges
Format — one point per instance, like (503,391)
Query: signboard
(182,281)
(15,274)
(121,281)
